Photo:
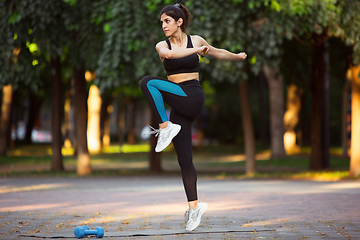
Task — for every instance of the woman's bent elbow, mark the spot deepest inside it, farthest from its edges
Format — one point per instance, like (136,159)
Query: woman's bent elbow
(168,56)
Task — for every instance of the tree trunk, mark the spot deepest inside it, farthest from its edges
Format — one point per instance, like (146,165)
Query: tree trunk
(33,114)
(291,118)
(355,122)
(83,158)
(5,118)
(344,113)
(121,122)
(93,129)
(56,117)
(303,133)
(155,158)
(264,133)
(133,109)
(248,129)
(276,96)
(325,131)
(67,122)
(74,115)
(105,140)
(317,84)
(14,118)
(106,109)
(9,130)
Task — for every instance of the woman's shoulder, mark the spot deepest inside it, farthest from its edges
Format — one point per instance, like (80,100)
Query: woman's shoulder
(195,37)
(161,44)
(197,40)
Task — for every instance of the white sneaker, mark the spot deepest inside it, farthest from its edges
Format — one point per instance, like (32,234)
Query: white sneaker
(193,216)
(186,215)
(166,135)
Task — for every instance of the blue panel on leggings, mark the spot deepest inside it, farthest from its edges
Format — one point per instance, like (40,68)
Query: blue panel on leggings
(155,85)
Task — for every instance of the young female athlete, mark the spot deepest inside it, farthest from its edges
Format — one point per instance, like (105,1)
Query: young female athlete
(182,91)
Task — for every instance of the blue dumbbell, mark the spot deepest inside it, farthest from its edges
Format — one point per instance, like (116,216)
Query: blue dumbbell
(83,231)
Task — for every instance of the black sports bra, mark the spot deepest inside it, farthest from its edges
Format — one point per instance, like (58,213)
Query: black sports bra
(188,64)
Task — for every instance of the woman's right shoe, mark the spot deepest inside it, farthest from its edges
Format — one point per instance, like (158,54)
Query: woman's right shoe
(166,135)
(193,216)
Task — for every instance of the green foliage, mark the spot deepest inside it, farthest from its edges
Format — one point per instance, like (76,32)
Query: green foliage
(349,26)
(41,30)
(14,18)
(70,2)
(274,5)
(225,109)
(117,38)
(335,18)
(222,25)
(129,47)
(36,36)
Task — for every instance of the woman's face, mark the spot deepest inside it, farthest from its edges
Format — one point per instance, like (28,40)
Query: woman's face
(169,25)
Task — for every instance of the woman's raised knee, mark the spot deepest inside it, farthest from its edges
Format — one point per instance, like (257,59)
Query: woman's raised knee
(144,81)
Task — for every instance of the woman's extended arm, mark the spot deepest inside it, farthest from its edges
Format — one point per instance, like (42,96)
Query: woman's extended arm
(165,52)
(220,54)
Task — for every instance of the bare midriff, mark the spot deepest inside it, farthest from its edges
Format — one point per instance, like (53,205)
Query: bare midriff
(182,77)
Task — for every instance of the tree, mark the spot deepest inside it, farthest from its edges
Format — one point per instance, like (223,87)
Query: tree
(106,110)
(344,115)
(248,129)
(350,24)
(326,19)
(128,51)
(83,157)
(266,33)
(84,49)
(319,158)
(23,62)
(7,92)
(35,103)
(93,129)
(319,19)
(155,157)
(231,34)
(46,34)
(276,83)
(355,116)
(56,114)
(44,26)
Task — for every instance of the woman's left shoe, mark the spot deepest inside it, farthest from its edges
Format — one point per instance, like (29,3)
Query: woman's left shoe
(193,216)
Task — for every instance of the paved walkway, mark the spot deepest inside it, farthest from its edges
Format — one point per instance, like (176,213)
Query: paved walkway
(154,207)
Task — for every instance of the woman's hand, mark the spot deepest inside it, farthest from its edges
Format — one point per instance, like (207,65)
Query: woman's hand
(242,56)
(203,50)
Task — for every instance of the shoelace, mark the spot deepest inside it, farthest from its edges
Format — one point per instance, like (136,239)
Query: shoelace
(154,131)
(187,215)
(190,215)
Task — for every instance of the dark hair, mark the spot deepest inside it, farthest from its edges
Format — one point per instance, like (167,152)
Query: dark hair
(177,11)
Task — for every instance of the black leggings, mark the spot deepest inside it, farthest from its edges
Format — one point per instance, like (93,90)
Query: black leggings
(186,100)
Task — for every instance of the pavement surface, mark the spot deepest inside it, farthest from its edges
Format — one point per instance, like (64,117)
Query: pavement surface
(150,207)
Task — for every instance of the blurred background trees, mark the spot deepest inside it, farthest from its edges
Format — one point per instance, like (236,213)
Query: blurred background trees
(86,58)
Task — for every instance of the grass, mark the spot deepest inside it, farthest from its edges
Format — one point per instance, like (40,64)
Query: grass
(301,162)
(302,175)
(221,162)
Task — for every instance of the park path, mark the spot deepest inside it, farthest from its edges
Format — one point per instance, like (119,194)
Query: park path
(154,205)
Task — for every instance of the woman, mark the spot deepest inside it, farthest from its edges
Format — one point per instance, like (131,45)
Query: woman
(182,91)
